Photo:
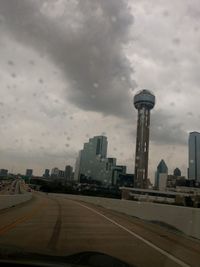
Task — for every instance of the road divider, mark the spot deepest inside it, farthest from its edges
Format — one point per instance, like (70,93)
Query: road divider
(7,201)
(185,219)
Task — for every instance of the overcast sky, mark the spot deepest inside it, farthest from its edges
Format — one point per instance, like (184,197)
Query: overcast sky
(70,68)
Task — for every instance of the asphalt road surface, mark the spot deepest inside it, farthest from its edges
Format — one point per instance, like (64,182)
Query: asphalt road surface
(52,224)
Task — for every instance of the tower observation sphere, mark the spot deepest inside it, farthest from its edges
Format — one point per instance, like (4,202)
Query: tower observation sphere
(144,98)
(143,101)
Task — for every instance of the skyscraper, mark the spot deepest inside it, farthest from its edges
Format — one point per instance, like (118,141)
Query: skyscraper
(177,172)
(29,172)
(161,169)
(46,173)
(194,156)
(144,101)
(92,161)
(68,173)
(55,172)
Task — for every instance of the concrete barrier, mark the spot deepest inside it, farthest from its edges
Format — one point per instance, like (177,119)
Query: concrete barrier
(184,219)
(7,201)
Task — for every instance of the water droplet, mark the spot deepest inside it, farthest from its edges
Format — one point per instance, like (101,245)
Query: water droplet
(165,13)
(31,62)
(13,75)
(10,62)
(41,80)
(114,19)
(176,41)
(96,85)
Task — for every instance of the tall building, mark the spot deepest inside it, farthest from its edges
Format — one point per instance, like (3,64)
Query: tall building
(68,173)
(55,172)
(61,174)
(194,156)
(46,173)
(162,181)
(92,162)
(3,173)
(118,171)
(144,101)
(177,172)
(161,169)
(77,167)
(29,172)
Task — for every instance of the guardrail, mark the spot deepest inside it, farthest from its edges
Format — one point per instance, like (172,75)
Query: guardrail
(184,219)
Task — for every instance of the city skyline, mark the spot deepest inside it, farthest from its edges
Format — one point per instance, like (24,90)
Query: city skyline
(54,96)
(94,147)
(92,164)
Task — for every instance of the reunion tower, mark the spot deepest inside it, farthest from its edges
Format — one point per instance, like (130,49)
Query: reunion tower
(143,101)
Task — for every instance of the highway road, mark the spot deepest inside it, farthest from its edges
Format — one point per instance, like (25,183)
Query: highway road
(54,225)
(11,188)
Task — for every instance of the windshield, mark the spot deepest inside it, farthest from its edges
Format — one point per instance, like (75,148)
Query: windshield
(99,131)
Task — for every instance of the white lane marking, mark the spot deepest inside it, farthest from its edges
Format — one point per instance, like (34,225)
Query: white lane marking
(165,253)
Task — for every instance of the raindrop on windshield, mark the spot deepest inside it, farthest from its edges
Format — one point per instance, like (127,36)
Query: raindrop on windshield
(114,19)
(41,80)
(10,62)
(96,85)
(31,62)
(13,75)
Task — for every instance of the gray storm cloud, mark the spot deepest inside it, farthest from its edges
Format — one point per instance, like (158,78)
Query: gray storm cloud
(166,131)
(88,47)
